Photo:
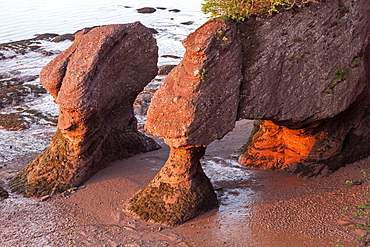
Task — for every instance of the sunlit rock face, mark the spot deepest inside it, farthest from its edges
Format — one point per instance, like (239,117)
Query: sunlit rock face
(275,147)
(198,100)
(196,105)
(307,71)
(95,83)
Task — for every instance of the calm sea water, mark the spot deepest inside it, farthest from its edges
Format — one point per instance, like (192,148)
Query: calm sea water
(22,19)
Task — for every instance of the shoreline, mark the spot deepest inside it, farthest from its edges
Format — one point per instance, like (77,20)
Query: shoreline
(262,208)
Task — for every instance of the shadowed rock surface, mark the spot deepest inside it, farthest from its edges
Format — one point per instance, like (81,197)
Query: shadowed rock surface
(196,105)
(308,72)
(94,82)
(293,59)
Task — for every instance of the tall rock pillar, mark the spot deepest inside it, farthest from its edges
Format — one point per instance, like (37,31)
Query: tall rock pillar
(95,83)
(196,105)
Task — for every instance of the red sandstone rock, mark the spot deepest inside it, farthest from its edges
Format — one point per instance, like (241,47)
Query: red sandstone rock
(196,105)
(308,72)
(275,147)
(292,60)
(179,192)
(95,83)
(198,100)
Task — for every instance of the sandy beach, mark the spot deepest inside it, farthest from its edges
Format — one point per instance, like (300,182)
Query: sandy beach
(257,208)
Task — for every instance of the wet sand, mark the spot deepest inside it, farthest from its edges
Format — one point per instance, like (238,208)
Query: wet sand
(257,208)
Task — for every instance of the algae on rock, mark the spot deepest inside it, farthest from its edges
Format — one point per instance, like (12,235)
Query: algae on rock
(179,192)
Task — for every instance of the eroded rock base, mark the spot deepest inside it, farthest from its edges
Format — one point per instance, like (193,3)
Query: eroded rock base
(179,192)
(62,166)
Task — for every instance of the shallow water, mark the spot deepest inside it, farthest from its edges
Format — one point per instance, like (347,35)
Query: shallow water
(22,19)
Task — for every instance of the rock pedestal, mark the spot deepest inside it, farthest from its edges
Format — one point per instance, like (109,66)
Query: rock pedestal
(196,105)
(179,192)
(95,83)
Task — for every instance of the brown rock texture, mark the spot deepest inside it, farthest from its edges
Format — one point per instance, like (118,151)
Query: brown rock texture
(198,100)
(293,59)
(179,192)
(307,72)
(95,82)
(196,105)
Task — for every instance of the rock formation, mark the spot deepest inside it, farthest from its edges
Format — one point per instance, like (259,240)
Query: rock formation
(307,73)
(305,79)
(94,82)
(196,105)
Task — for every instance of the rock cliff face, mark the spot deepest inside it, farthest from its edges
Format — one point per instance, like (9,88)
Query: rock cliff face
(305,78)
(305,66)
(308,72)
(95,83)
(196,105)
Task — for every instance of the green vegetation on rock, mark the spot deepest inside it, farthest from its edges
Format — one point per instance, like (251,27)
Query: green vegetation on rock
(340,76)
(240,10)
(50,172)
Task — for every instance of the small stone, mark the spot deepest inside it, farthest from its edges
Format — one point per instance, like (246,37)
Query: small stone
(357,182)
(44,198)
(153,31)
(61,38)
(146,10)
(171,56)
(3,193)
(166,69)
(187,23)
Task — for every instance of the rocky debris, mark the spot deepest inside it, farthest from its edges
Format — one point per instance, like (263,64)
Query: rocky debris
(63,37)
(153,31)
(15,90)
(174,10)
(171,56)
(179,192)
(146,10)
(12,49)
(94,82)
(3,193)
(196,104)
(46,36)
(142,102)
(166,69)
(308,73)
(187,23)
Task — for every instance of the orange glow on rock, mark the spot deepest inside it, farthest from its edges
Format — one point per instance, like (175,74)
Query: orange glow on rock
(276,147)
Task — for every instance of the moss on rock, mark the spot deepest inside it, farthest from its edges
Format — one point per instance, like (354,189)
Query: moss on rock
(180,191)
(50,172)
